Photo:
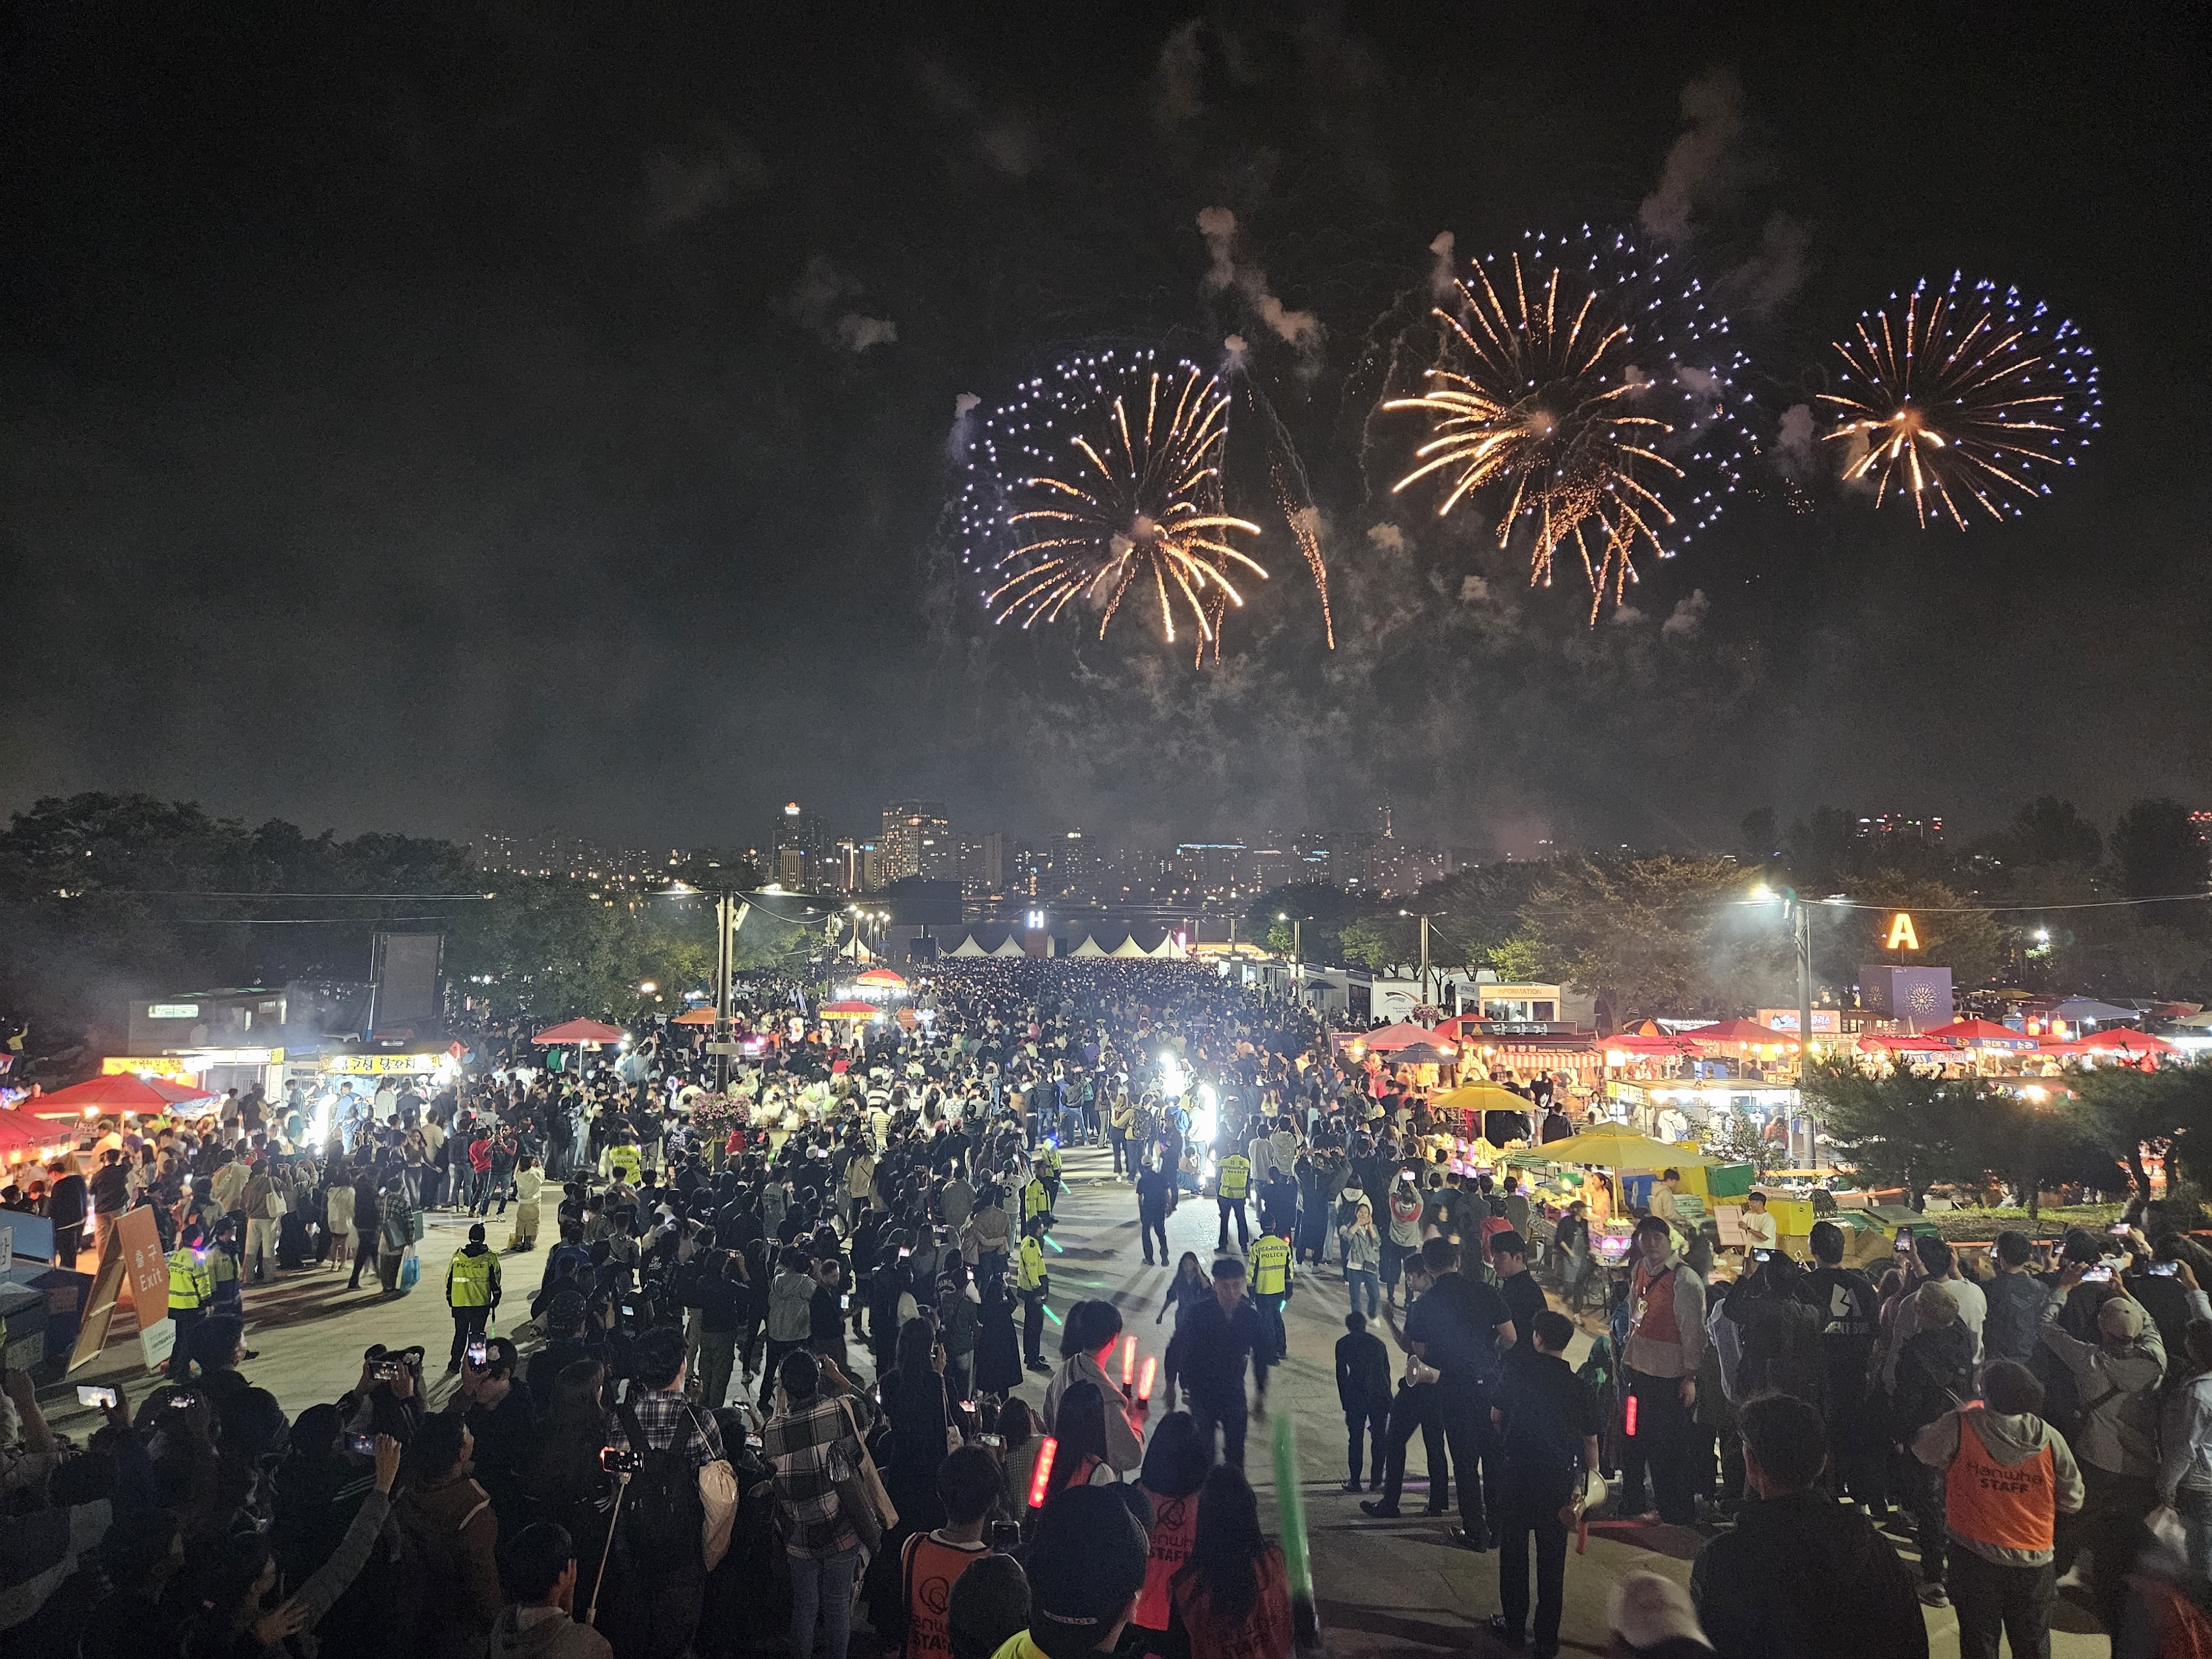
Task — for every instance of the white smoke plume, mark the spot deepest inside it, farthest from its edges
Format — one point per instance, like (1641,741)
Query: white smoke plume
(1793,441)
(1389,539)
(1444,272)
(857,333)
(1688,616)
(1703,165)
(1177,94)
(1299,330)
(682,188)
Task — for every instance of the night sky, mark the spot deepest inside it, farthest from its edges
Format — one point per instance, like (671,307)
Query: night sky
(452,416)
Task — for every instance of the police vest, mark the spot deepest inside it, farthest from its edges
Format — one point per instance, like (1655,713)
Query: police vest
(191,1285)
(1271,1265)
(1049,1160)
(1032,1265)
(1236,1175)
(469,1280)
(1034,1200)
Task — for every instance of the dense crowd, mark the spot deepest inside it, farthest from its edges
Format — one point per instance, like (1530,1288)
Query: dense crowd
(769,1354)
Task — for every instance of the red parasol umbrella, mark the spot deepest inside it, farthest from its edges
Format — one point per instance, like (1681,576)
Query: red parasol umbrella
(1742,1032)
(125,1091)
(1983,1033)
(696,1017)
(1404,1034)
(578,1030)
(2123,1042)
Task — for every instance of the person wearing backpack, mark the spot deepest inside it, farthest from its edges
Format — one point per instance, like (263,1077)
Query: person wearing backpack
(657,1575)
(1934,1376)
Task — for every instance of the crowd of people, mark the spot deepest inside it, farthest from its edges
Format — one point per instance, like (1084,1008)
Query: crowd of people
(769,1370)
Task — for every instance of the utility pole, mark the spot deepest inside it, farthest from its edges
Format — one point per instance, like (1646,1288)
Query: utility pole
(727,924)
(1424,958)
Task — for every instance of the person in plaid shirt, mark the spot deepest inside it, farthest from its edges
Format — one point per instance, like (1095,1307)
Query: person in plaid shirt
(810,1444)
(668,1419)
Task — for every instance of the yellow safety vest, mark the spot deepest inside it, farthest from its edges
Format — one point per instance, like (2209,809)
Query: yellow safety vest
(1236,1175)
(1048,1159)
(471,1279)
(191,1285)
(1271,1265)
(1032,1265)
(1034,1200)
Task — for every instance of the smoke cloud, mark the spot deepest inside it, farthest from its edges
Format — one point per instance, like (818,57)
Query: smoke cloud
(1299,330)
(679,188)
(1389,539)
(819,302)
(1688,616)
(857,333)
(1444,272)
(1703,166)
(1793,441)
(1178,95)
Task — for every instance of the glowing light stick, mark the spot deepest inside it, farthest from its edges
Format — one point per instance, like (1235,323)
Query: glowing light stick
(1129,1359)
(1145,1379)
(1297,1560)
(1049,1449)
(1632,1417)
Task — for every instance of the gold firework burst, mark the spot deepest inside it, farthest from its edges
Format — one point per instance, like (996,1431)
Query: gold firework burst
(1968,392)
(1144,500)
(1542,391)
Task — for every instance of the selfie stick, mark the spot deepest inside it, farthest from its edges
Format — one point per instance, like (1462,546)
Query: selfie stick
(621,1485)
(1291,1515)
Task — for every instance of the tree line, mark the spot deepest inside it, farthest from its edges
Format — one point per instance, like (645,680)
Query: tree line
(106,898)
(1676,934)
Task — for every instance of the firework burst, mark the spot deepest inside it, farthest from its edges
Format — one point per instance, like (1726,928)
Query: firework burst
(1593,392)
(1966,394)
(1107,476)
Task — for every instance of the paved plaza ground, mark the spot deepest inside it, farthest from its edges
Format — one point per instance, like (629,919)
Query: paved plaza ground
(1385,1587)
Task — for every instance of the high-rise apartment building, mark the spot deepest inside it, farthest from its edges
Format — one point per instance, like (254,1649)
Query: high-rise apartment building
(917,840)
(799,848)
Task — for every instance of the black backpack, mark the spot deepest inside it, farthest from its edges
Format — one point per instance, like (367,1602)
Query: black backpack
(662,1516)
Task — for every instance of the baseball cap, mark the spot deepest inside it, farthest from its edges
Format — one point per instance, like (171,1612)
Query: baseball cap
(1087,1559)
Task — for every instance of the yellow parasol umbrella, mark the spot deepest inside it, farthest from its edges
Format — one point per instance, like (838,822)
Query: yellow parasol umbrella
(1616,1148)
(1482,1098)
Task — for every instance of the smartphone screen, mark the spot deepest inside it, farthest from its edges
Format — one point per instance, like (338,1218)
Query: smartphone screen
(87,1394)
(2099,1275)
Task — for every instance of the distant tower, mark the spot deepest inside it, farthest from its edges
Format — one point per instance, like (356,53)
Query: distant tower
(1384,811)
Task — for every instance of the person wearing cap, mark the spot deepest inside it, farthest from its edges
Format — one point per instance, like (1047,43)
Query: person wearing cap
(989,1607)
(472,1290)
(1086,1569)
(2116,1384)
(1215,1342)
(2007,1476)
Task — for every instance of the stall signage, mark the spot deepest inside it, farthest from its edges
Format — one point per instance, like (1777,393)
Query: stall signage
(1628,1093)
(147,1066)
(1525,1028)
(172,1011)
(380,1065)
(1902,935)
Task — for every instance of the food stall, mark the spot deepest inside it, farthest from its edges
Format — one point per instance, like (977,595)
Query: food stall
(1625,1166)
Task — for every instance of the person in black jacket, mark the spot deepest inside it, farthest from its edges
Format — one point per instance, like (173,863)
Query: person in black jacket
(1800,1577)
(1363,1387)
(1934,1375)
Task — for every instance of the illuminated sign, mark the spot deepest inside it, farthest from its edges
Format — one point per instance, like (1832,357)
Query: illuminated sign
(1902,934)
(380,1064)
(172,1011)
(167,1066)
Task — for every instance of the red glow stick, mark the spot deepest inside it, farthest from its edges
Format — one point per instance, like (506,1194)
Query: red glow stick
(1129,1359)
(1144,1378)
(1632,1417)
(1046,1452)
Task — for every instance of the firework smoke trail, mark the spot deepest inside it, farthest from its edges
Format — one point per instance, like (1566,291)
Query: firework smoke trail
(1581,381)
(1969,391)
(1294,496)
(1133,498)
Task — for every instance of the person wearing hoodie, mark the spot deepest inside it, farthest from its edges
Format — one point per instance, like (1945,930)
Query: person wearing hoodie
(2184,1441)
(1771,1585)
(1934,1374)
(790,1313)
(2116,1383)
(540,1570)
(2008,1476)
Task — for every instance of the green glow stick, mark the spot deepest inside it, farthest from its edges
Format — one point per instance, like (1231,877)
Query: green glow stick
(1297,1560)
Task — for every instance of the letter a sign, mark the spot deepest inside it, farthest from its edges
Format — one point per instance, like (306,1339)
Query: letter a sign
(1902,936)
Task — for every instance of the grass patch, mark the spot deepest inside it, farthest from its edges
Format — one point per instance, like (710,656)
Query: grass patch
(2051,1224)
